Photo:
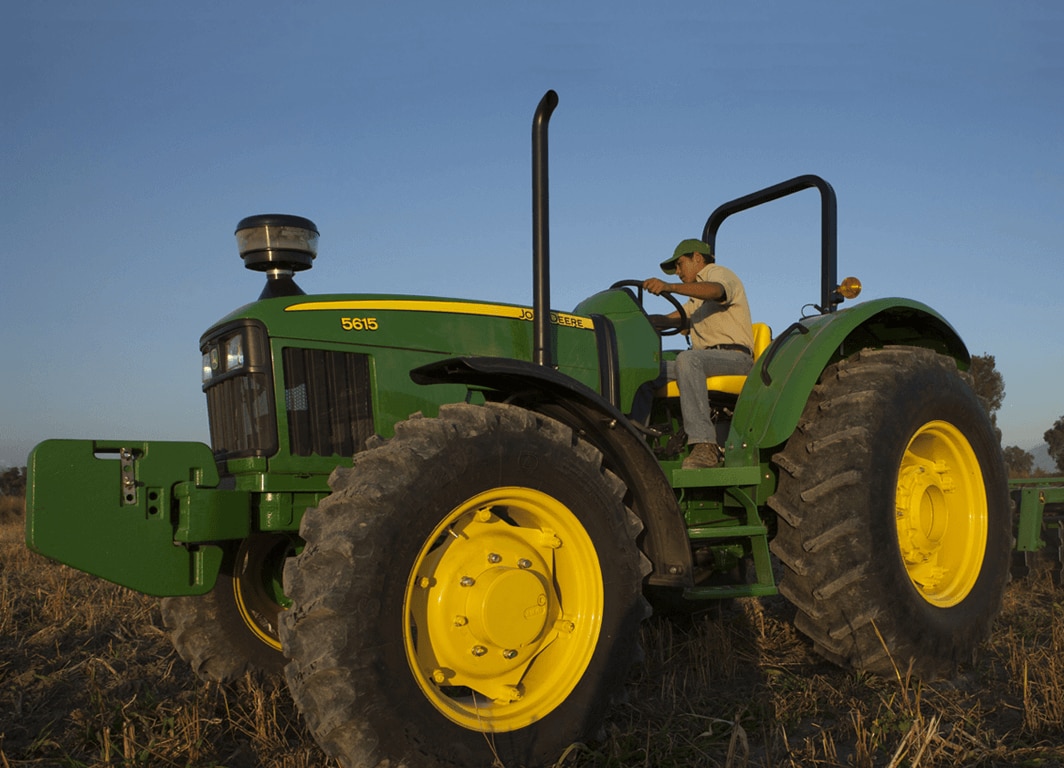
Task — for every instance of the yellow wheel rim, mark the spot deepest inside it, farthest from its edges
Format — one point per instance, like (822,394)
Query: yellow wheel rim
(257,589)
(254,621)
(941,514)
(503,609)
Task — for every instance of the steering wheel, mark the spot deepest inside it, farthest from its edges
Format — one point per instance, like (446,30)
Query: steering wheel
(663,329)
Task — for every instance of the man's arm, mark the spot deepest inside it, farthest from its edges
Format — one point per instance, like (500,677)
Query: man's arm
(703,291)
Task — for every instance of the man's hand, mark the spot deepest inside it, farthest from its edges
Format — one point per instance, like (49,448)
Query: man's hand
(657,287)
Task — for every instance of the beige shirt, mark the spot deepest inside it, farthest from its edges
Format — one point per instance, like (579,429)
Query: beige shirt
(720,322)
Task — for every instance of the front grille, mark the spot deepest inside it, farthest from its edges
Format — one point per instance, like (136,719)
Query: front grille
(327,400)
(241,415)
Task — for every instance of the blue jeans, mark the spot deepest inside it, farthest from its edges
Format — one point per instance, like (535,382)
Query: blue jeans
(690,370)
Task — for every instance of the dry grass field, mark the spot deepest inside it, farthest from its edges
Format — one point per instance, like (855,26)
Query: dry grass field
(88,678)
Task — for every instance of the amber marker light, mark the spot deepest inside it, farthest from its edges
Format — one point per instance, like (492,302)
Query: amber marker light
(849,288)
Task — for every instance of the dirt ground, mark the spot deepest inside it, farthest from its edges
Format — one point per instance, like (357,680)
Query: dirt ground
(88,678)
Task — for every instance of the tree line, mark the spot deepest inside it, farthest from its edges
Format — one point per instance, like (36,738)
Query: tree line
(989,386)
(13,482)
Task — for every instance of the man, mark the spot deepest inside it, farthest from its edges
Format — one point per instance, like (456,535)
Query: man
(721,336)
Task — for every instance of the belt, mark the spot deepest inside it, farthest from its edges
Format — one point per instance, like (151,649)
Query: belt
(733,348)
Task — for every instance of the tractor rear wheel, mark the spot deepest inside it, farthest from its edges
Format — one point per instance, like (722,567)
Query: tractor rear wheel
(469,592)
(893,511)
(233,628)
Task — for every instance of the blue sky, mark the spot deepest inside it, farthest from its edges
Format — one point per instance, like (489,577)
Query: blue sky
(136,134)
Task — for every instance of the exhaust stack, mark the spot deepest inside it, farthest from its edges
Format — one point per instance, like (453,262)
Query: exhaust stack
(543,347)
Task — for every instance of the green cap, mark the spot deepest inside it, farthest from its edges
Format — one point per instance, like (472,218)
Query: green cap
(683,249)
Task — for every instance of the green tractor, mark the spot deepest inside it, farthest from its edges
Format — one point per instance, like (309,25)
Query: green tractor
(467,583)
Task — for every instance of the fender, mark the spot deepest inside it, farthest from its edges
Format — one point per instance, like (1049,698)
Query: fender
(547,391)
(776,390)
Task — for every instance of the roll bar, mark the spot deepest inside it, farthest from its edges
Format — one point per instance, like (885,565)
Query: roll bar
(829,297)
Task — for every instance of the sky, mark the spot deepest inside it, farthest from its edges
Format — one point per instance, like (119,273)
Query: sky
(135,135)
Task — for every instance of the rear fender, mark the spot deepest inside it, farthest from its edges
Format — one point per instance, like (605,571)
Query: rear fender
(776,391)
(136,513)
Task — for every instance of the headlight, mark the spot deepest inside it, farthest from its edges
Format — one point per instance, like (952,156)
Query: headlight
(234,353)
(211,364)
(234,349)
(234,358)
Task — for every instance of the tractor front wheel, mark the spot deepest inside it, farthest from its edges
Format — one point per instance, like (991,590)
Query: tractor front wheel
(469,593)
(233,628)
(893,510)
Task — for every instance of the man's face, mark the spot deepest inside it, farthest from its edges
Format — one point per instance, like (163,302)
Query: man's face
(688,265)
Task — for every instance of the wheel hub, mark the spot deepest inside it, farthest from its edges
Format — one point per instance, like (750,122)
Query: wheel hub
(941,514)
(490,604)
(923,519)
(508,607)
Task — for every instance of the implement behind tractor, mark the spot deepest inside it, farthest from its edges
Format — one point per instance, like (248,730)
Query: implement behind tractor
(467,583)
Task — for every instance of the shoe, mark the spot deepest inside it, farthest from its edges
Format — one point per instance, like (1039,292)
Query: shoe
(702,456)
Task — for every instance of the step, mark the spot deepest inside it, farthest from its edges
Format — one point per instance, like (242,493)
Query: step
(731,590)
(716,477)
(725,531)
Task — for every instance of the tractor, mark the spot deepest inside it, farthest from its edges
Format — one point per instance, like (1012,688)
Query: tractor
(438,520)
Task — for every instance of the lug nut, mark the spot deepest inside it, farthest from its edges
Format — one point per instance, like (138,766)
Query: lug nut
(479,650)
(511,693)
(510,653)
(494,558)
(524,562)
(467,581)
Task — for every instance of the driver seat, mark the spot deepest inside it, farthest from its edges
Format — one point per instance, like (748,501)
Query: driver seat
(728,385)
